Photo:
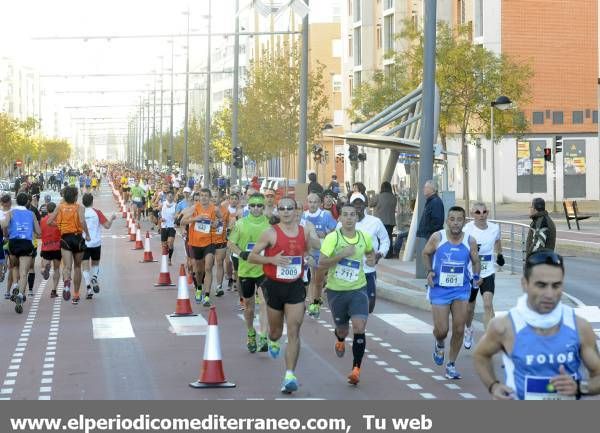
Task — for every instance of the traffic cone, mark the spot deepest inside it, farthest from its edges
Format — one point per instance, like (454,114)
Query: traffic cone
(123,209)
(212,375)
(138,239)
(132,232)
(147,251)
(183,307)
(164,278)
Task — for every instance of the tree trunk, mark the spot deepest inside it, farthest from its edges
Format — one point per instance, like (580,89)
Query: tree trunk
(465,167)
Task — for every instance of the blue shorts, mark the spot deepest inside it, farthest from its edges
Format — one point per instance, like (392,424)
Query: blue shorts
(445,296)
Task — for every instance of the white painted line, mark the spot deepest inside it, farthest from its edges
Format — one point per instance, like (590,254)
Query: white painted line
(327,325)
(332,329)
(47,380)
(391,370)
(467,395)
(440,378)
(376,339)
(348,339)
(406,323)
(9,382)
(20,349)
(369,334)
(16,360)
(322,322)
(428,395)
(13,367)
(45,389)
(18,355)
(50,353)
(385,344)
(405,356)
(51,365)
(395,351)
(6,391)
(23,339)
(381,363)
(403,378)
(21,344)
(112,327)
(11,374)
(48,373)
(426,370)
(49,359)
(53,333)
(414,386)
(414,363)
(371,356)
(27,327)
(187,325)
(452,386)
(44,397)
(52,338)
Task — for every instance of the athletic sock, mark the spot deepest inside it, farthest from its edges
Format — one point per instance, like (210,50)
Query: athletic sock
(170,253)
(95,271)
(31,280)
(86,277)
(358,349)
(337,336)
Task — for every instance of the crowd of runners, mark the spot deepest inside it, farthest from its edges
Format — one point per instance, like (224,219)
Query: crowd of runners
(288,258)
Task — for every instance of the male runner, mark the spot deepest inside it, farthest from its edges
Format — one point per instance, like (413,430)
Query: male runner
(446,258)
(544,344)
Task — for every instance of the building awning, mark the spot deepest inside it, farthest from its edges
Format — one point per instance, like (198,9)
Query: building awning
(379,141)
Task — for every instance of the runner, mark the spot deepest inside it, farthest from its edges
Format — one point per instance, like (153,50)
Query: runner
(343,253)
(270,205)
(284,245)
(544,345)
(446,258)
(244,236)
(70,219)
(20,226)
(31,274)
(219,240)
(5,205)
(330,203)
(179,208)
(231,263)
(94,219)
(51,255)
(137,197)
(487,236)
(202,217)
(167,225)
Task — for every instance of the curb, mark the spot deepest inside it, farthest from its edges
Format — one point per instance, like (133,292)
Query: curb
(402,295)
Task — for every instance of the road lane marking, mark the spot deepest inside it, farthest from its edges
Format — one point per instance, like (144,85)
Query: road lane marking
(112,327)
(187,325)
(406,323)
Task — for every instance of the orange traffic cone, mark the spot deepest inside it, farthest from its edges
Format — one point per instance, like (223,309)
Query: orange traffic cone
(123,210)
(148,258)
(138,239)
(132,231)
(183,307)
(212,375)
(164,278)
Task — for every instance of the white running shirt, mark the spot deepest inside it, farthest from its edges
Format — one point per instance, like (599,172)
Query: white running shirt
(94,219)
(485,241)
(167,213)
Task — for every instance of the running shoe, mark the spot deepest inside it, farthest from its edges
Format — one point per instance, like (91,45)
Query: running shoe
(206,301)
(220,291)
(46,271)
(75,300)
(230,284)
(19,299)
(15,293)
(438,353)
(290,383)
(314,310)
(263,346)
(31,292)
(89,293)
(274,348)
(7,295)
(340,348)
(354,376)
(251,343)
(198,296)
(95,285)
(451,372)
(67,290)
(242,307)
(468,339)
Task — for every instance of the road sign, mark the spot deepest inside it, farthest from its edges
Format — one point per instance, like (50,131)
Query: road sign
(19,163)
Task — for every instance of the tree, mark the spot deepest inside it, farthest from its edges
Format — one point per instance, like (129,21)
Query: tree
(469,77)
(269,113)
(221,133)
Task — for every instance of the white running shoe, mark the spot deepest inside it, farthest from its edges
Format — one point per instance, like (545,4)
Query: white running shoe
(468,339)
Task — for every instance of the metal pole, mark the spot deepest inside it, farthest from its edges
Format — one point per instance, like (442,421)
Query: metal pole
(302,145)
(170,153)
(160,140)
(154,125)
(206,164)
(147,159)
(140,135)
(427,131)
(554,175)
(493,152)
(187,84)
(236,80)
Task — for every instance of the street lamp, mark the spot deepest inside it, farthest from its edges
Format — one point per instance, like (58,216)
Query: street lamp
(501,103)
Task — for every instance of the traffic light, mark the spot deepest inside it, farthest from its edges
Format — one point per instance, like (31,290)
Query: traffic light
(547,154)
(238,157)
(362,157)
(558,143)
(353,152)
(317,152)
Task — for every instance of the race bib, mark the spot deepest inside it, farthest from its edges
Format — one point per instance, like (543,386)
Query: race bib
(219,229)
(540,388)
(347,270)
(452,275)
(137,199)
(486,263)
(291,271)
(202,226)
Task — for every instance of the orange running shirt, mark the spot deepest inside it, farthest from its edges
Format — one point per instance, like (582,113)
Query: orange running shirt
(200,232)
(67,219)
(219,233)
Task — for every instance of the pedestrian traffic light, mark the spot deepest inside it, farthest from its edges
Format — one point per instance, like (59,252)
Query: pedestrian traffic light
(238,157)
(547,154)
(362,157)
(558,143)
(353,152)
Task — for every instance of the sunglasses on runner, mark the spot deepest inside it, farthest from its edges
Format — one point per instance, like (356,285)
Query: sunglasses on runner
(545,258)
(258,205)
(480,212)
(288,208)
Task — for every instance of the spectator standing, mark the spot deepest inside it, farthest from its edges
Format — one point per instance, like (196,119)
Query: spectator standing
(314,186)
(385,210)
(432,219)
(334,184)
(542,235)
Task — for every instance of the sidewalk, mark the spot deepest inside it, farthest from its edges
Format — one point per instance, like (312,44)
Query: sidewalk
(396,282)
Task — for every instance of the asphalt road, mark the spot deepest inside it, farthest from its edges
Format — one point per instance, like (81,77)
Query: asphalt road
(581,279)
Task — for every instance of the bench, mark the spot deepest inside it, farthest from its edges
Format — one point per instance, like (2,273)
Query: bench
(571,213)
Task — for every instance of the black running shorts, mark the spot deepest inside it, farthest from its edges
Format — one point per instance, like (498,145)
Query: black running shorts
(278,294)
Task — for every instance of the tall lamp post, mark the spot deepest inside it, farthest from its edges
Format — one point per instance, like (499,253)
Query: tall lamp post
(501,103)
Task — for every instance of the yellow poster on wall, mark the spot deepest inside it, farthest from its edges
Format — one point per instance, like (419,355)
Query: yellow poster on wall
(538,166)
(522,149)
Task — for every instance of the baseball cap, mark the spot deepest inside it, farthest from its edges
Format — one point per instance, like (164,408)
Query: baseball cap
(357,196)
(187,189)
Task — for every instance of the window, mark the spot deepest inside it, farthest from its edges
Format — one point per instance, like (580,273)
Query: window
(357,11)
(350,7)
(378,36)
(388,32)
(357,77)
(461,11)
(577,117)
(595,116)
(336,83)
(336,48)
(483,159)
(357,47)
(350,46)
(350,85)
(538,117)
(557,117)
(338,117)
(388,4)
(478,18)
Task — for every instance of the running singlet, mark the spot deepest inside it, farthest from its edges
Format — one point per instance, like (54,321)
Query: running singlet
(21,224)
(219,233)
(94,218)
(245,234)
(348,273)
(451,264)
(294,249)
(50,236)
(67,219)
(200,231)
(322,220)
(486,239)
(536,358)
(167,212)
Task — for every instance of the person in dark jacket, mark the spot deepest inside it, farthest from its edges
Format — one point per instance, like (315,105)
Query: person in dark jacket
(542,235)
(314,186)
(385,209)
(432,219)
